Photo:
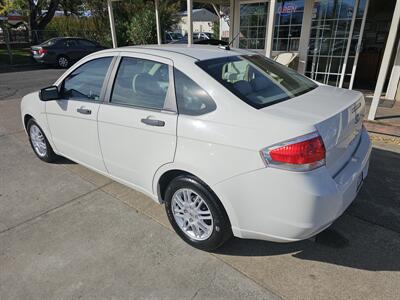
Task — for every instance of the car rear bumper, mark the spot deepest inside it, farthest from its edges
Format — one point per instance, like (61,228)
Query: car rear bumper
(43,59)
(283,206)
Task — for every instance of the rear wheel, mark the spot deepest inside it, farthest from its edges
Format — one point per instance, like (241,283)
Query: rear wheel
(63,61)
(196,214)
(39,142)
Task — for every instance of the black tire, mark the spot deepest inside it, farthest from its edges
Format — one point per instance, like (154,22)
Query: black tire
(63,61)
(48,154)
(221,227)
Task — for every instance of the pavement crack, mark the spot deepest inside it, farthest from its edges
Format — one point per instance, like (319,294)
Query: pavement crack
(53,209)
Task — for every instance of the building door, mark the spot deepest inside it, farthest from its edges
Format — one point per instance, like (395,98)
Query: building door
(336,31)
(253,24)
(373,44)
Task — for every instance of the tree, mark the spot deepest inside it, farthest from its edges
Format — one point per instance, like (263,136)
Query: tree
(71,7)
(40,14)
(136,23)
(5,7)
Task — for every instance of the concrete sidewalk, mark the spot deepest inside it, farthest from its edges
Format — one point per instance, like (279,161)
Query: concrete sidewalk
(67,232)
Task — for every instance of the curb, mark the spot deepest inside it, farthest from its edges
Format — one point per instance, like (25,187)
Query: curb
(382,128)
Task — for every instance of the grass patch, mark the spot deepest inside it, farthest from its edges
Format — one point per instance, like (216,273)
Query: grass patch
(20,57)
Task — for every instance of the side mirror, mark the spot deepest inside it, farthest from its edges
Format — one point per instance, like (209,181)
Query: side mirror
(49,93)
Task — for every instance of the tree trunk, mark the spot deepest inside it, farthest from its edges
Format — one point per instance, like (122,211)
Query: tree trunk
(6,34)
(38,23)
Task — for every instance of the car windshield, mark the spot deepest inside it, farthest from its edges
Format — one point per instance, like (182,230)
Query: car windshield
(257,80)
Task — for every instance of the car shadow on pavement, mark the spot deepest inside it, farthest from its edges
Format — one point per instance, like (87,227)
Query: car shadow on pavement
(63,161)
(366,237)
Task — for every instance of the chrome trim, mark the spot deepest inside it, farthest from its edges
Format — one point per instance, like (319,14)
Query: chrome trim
(355,107)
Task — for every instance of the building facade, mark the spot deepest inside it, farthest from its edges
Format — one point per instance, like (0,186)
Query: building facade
(202,19)
(339,42)
(351,44)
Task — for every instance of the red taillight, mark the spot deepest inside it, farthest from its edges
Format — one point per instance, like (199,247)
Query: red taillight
(42,51)
(302,154)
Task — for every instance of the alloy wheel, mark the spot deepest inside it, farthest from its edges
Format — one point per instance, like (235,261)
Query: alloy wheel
(38,140)
(192,214)
(63,62)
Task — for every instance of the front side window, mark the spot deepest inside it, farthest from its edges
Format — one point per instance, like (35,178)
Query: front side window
(85,82)
(191,98)
(258,81)
(142,83)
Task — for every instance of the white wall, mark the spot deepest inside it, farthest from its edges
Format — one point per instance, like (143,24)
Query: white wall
(197,26)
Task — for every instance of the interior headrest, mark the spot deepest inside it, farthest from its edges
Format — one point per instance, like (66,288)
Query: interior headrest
(146,84)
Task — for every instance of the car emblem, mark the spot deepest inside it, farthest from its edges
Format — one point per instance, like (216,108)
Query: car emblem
(357,118)
(356,107)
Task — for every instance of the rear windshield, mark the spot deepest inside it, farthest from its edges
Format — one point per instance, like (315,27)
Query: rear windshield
(176,35)
(50,42)
(258,81)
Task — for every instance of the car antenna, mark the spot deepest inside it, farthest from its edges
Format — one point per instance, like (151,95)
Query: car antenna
(227,47)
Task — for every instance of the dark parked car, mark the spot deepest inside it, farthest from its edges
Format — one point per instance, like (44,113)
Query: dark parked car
(64,51)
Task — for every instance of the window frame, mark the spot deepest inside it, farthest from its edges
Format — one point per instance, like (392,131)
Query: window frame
(170,105)
(60,83)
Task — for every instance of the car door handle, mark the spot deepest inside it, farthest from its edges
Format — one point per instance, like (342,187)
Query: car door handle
(84,111)
(153,122)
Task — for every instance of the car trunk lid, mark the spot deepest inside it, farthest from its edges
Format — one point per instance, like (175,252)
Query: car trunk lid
(35,50)
(337,115)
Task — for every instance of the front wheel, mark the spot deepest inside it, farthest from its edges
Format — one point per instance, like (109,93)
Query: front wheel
(196,214)
(39,142)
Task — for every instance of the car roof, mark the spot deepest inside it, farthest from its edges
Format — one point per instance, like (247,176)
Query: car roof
(196,52)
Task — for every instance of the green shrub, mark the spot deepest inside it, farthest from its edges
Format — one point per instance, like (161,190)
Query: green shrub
(92,28)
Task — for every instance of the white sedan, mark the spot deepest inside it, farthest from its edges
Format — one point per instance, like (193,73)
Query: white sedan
(231,142)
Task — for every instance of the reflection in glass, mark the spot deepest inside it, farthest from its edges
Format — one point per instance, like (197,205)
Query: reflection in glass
(288,21)
(330,30)
(253,18)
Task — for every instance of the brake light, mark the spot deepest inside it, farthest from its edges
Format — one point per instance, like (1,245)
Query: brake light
(301,154)
(42,51)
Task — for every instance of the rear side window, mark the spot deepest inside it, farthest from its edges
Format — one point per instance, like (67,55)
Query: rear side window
(70,43)
(141,82)
(86,43)
(191,98)
(258,81)
(85,82)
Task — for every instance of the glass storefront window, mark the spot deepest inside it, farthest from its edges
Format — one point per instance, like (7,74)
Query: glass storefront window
(288,21)
(330,30)
(253,19)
